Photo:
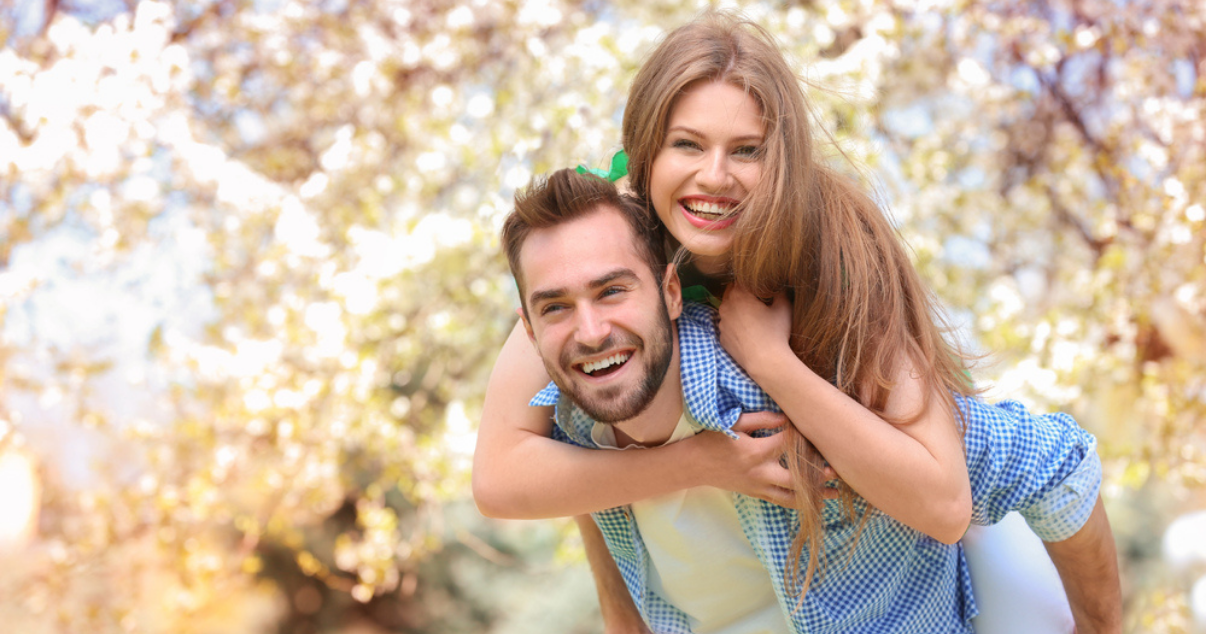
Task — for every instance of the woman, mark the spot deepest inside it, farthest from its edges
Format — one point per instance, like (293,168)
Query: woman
(718,138)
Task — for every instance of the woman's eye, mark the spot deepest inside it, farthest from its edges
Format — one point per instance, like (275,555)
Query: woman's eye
(685,144)
(748,151)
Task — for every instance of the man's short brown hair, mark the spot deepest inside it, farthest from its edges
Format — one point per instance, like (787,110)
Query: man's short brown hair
(566,195)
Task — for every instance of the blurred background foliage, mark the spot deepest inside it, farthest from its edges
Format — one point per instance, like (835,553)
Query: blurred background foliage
(252,289)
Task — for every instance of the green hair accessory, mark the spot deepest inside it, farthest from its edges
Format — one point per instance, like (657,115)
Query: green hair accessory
(701,295)
(619,168)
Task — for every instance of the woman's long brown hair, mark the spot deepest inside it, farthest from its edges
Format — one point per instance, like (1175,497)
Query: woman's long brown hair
(859,307)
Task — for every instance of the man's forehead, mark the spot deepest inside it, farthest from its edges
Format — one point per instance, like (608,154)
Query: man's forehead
(580,250)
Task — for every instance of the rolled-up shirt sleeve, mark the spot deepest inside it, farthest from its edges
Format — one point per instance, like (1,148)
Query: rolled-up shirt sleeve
(1045,467)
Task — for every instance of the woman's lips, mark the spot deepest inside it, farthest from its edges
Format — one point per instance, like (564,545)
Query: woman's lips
(708,224)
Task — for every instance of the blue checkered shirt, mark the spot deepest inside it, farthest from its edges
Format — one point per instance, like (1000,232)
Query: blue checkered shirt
(895,579)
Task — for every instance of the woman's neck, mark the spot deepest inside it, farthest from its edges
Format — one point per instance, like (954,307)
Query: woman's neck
(716,267)
(691,275)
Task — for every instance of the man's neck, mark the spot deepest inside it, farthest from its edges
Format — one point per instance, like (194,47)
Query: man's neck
(656,424)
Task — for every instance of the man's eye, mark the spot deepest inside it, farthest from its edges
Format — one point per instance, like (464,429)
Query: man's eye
(550,309)
(611,290)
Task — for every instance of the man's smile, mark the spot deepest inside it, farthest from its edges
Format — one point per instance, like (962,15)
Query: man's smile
(606,366)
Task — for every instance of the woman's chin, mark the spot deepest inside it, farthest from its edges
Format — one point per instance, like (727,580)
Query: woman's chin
(710,261)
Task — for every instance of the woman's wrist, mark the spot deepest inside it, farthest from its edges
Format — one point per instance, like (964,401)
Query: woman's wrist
(769,363)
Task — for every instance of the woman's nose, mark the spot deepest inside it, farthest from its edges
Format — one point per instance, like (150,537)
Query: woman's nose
(713,175)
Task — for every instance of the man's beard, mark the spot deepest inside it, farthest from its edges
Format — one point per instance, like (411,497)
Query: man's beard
(618,403)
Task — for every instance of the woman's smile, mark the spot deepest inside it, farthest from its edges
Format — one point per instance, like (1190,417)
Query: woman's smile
(708,213)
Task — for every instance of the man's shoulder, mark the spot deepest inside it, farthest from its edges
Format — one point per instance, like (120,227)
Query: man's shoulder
(697,330)
(1012,422)
(698,315)
(699,345)
(715,388)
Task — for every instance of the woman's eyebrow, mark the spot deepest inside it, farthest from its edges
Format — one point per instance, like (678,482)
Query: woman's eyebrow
(696,133)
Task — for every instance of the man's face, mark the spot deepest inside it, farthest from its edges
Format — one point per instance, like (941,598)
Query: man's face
(599,320)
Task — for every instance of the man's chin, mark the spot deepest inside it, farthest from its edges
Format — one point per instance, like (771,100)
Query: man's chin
(610,416)
(610,410)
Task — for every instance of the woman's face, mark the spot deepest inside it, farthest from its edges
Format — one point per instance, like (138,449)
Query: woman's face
(710,161)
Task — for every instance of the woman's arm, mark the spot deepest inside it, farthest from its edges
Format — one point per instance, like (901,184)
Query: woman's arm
(916,473)
(519,472)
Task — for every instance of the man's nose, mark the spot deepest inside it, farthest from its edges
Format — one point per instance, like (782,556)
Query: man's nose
(713,175)
(593,328)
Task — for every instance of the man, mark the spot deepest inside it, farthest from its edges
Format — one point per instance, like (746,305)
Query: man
(600,304)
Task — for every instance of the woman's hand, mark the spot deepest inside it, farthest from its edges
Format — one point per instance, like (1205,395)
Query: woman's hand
(753,331)
(750,465)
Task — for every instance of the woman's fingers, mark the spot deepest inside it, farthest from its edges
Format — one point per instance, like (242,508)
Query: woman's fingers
(754,465)
(780,496)
(749,329)
(754,421)
(745,464)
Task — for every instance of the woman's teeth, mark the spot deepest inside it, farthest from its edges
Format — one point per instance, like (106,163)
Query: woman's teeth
(595,366)
(709,211)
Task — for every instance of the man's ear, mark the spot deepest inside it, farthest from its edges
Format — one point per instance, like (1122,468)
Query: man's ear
(673,289)
(527,325)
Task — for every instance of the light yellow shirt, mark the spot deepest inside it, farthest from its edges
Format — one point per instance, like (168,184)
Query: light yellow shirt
(700,559)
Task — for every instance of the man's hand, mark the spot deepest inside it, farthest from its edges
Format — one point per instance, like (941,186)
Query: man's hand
(620,615)
(750,465)
(1088,567)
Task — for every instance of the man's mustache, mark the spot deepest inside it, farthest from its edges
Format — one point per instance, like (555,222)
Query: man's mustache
(612,341)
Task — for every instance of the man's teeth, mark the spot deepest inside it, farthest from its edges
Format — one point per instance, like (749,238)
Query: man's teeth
(595,366)
(707,210)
